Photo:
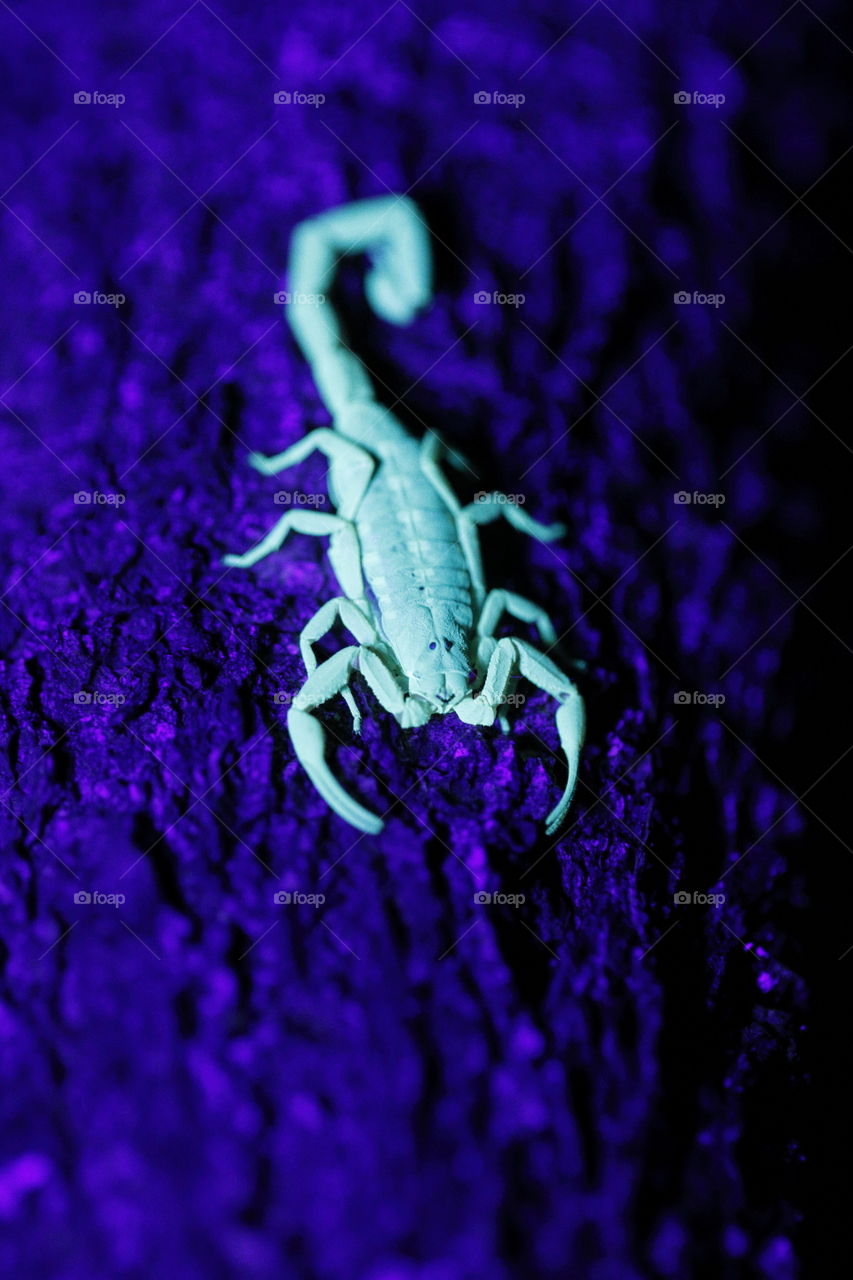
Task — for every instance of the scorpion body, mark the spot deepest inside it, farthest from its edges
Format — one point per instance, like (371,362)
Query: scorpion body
(413,564)
(404,551)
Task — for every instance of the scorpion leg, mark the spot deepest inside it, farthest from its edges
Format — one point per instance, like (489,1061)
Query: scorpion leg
(309,739)
(499,602)
(322,622)
(470,544)
(345,559)
(351,465)
(477,513)
(542,672)
(312,522)
(495,505)
(344,551)
(433,448)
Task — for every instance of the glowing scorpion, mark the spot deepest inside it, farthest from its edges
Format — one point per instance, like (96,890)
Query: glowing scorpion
(405,553)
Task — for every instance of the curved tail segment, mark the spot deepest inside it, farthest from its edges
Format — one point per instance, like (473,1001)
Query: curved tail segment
(391,231)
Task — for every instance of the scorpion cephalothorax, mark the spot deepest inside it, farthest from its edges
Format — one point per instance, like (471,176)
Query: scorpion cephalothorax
(405,553)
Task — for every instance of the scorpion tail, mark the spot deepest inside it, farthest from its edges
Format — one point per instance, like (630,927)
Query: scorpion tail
(310,746)
(399,282)
(391,231)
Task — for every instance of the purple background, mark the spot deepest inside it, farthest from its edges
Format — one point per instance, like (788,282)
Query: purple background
(403,1085)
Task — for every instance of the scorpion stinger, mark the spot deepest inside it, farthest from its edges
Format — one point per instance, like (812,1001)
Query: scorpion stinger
(425,630)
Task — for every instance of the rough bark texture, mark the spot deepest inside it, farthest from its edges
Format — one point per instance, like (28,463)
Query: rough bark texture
(400,1083)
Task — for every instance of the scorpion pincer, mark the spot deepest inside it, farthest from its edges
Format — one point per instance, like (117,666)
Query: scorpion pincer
(405,552)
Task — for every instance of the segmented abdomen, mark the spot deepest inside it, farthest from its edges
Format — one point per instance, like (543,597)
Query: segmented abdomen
(410,547)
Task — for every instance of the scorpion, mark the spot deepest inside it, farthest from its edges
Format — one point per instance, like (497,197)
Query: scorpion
(404,551)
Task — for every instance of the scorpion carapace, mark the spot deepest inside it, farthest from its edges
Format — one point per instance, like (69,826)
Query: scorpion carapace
(405,552)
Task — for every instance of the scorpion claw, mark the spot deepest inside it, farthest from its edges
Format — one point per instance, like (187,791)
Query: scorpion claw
(570,727)
(309,743)
(475,711)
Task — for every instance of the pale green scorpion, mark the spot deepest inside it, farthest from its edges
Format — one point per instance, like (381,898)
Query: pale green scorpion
(405,552)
